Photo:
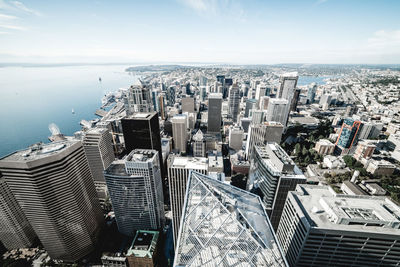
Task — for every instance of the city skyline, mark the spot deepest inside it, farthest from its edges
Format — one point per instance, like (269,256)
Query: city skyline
(206,31)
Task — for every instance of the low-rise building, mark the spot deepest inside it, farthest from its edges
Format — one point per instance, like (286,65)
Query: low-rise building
(380,167)
(144,249)
(324,147)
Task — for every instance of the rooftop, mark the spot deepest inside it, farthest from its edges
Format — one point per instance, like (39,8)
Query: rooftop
(141,155)
(38,151)
(144,244)
(141,116)
(231,222)
(116,168)
(192,163)
(328,210)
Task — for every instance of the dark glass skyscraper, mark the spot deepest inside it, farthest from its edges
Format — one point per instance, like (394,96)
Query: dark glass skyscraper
(142,130)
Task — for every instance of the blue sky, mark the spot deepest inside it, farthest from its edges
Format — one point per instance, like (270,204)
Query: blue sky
(222,31)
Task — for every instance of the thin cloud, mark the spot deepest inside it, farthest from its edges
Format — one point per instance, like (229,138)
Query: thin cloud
(7,17)
(206,6)
(217,8)
(19,5)
(319,2)
(13,27)
(4,33)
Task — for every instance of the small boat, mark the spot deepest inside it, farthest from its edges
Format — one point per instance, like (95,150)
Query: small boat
(73,111)
(99,79)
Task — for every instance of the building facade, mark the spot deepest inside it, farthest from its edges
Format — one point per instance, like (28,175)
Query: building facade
(178,173)
(135,188)
(214,112)
(99,151)
(322,228)
(224,226)
(53,185)
(275,174)
(15,230)
(179,132)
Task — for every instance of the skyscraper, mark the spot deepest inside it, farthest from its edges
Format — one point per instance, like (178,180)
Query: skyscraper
(224,226)
(260,134)
(188,104)
(214,113)
(288,83)
(348,134)
(236,137)
(178,173)
(250,105)
(99,151)
(15,230)
(142,130)
(278,110)
(322,228)
(295,100)
(311,93)
(179,132)
(199,144)
(136,193)
(275,173)
(137,99)
(234,99)
(54,187)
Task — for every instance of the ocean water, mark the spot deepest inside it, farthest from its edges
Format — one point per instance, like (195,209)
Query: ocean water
(33,97)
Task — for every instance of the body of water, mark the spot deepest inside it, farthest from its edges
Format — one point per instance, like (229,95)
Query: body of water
(305,80)
(33,97)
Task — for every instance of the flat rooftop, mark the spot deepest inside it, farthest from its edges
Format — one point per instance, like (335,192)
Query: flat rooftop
(141,116)
(38,151)
(144,244)
(329,210)
(141,155)
(196,163)
(96,130)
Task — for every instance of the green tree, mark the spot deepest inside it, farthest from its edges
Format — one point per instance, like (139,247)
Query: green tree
(297,148)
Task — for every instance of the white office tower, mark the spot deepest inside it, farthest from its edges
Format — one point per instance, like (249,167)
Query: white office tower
(236,134)
(322,228)
(15,230)
(260,134)
(188,104)
(214,113)
(326,99)
(135,188)
(53,185)
(278,110)
(258,116)
(199,144)
(98,146)
(178,173)
(234,99)
(202,80)
(288,83)
(137,99)
(261,90)
(274,173)
(179,132)
(224,226)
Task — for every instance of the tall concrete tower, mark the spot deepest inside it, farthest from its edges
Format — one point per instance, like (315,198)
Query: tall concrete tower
(54,187)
